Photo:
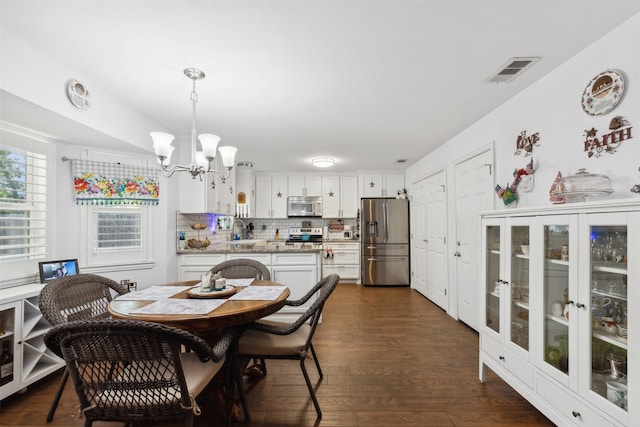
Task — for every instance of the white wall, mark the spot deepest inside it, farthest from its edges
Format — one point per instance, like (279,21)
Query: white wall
(552,107)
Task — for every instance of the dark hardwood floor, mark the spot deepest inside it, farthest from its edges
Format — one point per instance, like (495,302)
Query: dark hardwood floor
(390,358)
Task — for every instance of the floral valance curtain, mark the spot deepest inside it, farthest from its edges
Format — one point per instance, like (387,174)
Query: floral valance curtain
(98,183)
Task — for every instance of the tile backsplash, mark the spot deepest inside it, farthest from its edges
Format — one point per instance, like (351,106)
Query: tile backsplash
(219,226)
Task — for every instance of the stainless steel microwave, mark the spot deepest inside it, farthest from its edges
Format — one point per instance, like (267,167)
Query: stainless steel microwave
(304,206)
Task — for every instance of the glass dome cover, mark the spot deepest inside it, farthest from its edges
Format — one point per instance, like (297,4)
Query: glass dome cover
(575,188)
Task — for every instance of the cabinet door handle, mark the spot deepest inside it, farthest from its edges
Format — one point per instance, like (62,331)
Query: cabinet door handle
(501,358)
(576,414)
(579,305)
(570,302)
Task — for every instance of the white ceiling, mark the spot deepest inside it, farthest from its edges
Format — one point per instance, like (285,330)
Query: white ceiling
(365,82)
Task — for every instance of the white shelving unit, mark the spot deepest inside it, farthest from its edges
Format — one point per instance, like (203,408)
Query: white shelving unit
(25,328)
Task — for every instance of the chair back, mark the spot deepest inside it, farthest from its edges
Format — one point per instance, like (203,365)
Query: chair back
(242,268)
(127,370)
(78,297)
(323,289)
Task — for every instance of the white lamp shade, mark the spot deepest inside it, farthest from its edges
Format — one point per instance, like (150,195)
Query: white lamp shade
(201,160)
(167,159)
(209,144)
(162,143)
(228,155)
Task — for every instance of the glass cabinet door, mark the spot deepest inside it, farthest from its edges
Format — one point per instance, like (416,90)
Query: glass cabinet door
(493,277)
(518,307)
(608,312)
(558,252)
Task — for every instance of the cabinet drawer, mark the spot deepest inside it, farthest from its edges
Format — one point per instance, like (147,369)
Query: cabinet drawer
(202,259)
(263,258)
(342,245)
(341,256)
(567,404)
(292,258)
(344,271)
(519,367)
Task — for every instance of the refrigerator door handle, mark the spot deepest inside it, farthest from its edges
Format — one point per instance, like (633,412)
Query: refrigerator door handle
(385,211)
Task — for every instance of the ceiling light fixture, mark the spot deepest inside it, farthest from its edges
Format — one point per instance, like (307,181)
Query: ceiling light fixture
(200,160)
(323,162)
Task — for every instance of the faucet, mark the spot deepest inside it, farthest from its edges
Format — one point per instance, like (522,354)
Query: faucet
(242,230)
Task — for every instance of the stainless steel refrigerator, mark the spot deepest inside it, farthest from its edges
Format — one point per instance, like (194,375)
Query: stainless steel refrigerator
(384,242)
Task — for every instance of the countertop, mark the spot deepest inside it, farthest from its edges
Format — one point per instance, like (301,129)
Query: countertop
(238,249)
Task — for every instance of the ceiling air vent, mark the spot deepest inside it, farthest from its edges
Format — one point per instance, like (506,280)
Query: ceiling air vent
(512,68)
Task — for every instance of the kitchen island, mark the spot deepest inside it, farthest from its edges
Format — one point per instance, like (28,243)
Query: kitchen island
(296,266)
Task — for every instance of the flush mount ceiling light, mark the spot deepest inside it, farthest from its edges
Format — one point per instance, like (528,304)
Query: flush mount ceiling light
(323,162)
(200,160)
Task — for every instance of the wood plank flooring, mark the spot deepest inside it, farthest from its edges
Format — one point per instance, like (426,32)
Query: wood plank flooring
(390,358)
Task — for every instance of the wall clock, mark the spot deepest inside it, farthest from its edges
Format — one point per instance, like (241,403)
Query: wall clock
(79,95)
(603,93)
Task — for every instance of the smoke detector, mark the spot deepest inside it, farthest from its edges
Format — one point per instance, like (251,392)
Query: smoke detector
(512,69)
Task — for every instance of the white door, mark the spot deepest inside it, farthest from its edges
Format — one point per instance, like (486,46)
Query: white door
(418,237)
(474,194)
(436,229)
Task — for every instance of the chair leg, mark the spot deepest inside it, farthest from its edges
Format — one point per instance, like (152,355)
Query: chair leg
(56,399)
(241,392)
(315,359)
(263,364)
(310,387)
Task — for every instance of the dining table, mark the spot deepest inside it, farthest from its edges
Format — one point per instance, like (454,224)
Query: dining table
(206,314)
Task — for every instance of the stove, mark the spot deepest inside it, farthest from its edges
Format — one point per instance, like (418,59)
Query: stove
(306,236)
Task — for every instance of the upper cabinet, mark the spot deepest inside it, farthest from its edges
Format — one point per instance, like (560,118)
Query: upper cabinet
(339,196)
(381,185)
(271,196)
(303,185)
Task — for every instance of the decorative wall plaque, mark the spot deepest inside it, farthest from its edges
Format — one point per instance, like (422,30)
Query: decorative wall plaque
(603,93)
(526,143)
(595,145)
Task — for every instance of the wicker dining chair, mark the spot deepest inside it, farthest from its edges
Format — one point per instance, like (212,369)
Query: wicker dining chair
(242,268)
(135,371)
(276,340)
(78,297)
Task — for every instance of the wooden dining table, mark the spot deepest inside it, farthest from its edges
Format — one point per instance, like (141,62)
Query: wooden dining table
(232,313)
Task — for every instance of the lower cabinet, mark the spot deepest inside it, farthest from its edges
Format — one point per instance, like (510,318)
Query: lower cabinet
(343,259)
(559,293)
(299,271)
(24,328)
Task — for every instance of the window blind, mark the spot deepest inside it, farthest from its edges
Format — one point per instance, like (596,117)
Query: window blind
(23,207)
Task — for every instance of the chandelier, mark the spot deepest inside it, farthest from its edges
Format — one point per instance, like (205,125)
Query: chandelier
(200,160)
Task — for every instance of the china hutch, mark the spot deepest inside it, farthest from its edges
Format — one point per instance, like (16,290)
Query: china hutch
(559,294)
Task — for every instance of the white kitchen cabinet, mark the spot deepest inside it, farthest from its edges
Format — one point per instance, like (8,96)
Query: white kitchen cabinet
(192,267)
(339,196)
(25,328)
(343,259)
(584,261)
(271,196)
(222,199)
(305,185)
(299,272)
(381,185)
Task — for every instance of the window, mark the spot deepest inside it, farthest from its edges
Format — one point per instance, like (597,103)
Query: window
(117,231)
(115,236)
(25,169)
(23,197)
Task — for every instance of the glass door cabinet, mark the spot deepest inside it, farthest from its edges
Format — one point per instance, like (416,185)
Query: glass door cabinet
(559,298)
